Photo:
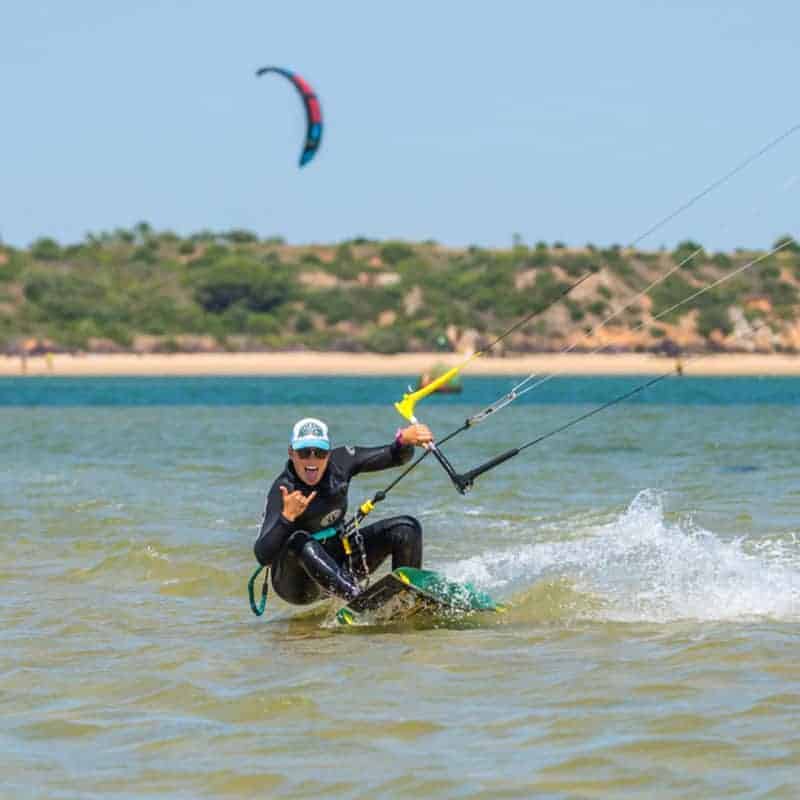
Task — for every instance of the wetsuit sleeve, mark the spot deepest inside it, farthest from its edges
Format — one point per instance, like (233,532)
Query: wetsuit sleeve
(373,459)
(275,529)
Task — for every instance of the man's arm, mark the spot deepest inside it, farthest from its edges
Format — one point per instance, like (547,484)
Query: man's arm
(374,459)
(275,528)
(400,451)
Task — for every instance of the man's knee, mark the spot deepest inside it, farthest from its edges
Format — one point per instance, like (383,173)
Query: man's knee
(406,542)
(298,541)
(289,577)
(409,526)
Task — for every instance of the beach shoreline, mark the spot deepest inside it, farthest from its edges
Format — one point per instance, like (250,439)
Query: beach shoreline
(324,363)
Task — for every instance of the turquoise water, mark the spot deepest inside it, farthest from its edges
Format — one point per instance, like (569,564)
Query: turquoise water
(650,555)
(241,391)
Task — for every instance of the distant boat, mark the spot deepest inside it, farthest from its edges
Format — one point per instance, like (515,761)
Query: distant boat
(451,387)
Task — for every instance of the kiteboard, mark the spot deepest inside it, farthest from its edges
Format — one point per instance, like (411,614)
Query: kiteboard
(407,591)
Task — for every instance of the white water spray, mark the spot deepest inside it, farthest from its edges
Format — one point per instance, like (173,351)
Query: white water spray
(642,567)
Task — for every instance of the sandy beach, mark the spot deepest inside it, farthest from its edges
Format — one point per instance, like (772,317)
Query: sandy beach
(314,363)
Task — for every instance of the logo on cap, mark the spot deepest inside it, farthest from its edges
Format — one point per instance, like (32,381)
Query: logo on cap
(310,432)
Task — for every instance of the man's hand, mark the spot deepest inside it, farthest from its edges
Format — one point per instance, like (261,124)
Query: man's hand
(295,503)
(419,435)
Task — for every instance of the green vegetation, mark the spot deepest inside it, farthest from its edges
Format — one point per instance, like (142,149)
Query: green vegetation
(142,289)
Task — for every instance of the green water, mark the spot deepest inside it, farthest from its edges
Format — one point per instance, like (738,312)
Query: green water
(651,558)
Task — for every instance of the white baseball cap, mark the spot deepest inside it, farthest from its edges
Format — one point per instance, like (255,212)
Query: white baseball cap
(310,432)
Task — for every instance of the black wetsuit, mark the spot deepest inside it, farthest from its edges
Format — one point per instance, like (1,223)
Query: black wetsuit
(302,567)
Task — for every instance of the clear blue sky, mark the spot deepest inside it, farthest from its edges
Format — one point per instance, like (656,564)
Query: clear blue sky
(462,122)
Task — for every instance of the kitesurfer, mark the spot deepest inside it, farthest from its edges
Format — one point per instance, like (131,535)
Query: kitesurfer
(306,506)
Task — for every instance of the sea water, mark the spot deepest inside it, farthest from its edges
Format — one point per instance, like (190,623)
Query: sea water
(649,555)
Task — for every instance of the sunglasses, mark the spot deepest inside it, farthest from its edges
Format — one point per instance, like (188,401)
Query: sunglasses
(311,452)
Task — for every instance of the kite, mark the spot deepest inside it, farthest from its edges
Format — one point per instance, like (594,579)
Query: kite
(313,111)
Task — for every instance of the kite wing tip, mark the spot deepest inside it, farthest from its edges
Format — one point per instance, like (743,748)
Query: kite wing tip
(305,158)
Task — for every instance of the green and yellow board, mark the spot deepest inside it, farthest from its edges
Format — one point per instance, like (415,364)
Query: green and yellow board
(408,591)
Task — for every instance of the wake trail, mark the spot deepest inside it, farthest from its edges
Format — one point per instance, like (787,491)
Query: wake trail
(644,567)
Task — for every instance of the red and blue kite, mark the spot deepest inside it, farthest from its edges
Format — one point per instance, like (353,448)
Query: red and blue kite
(313,111)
